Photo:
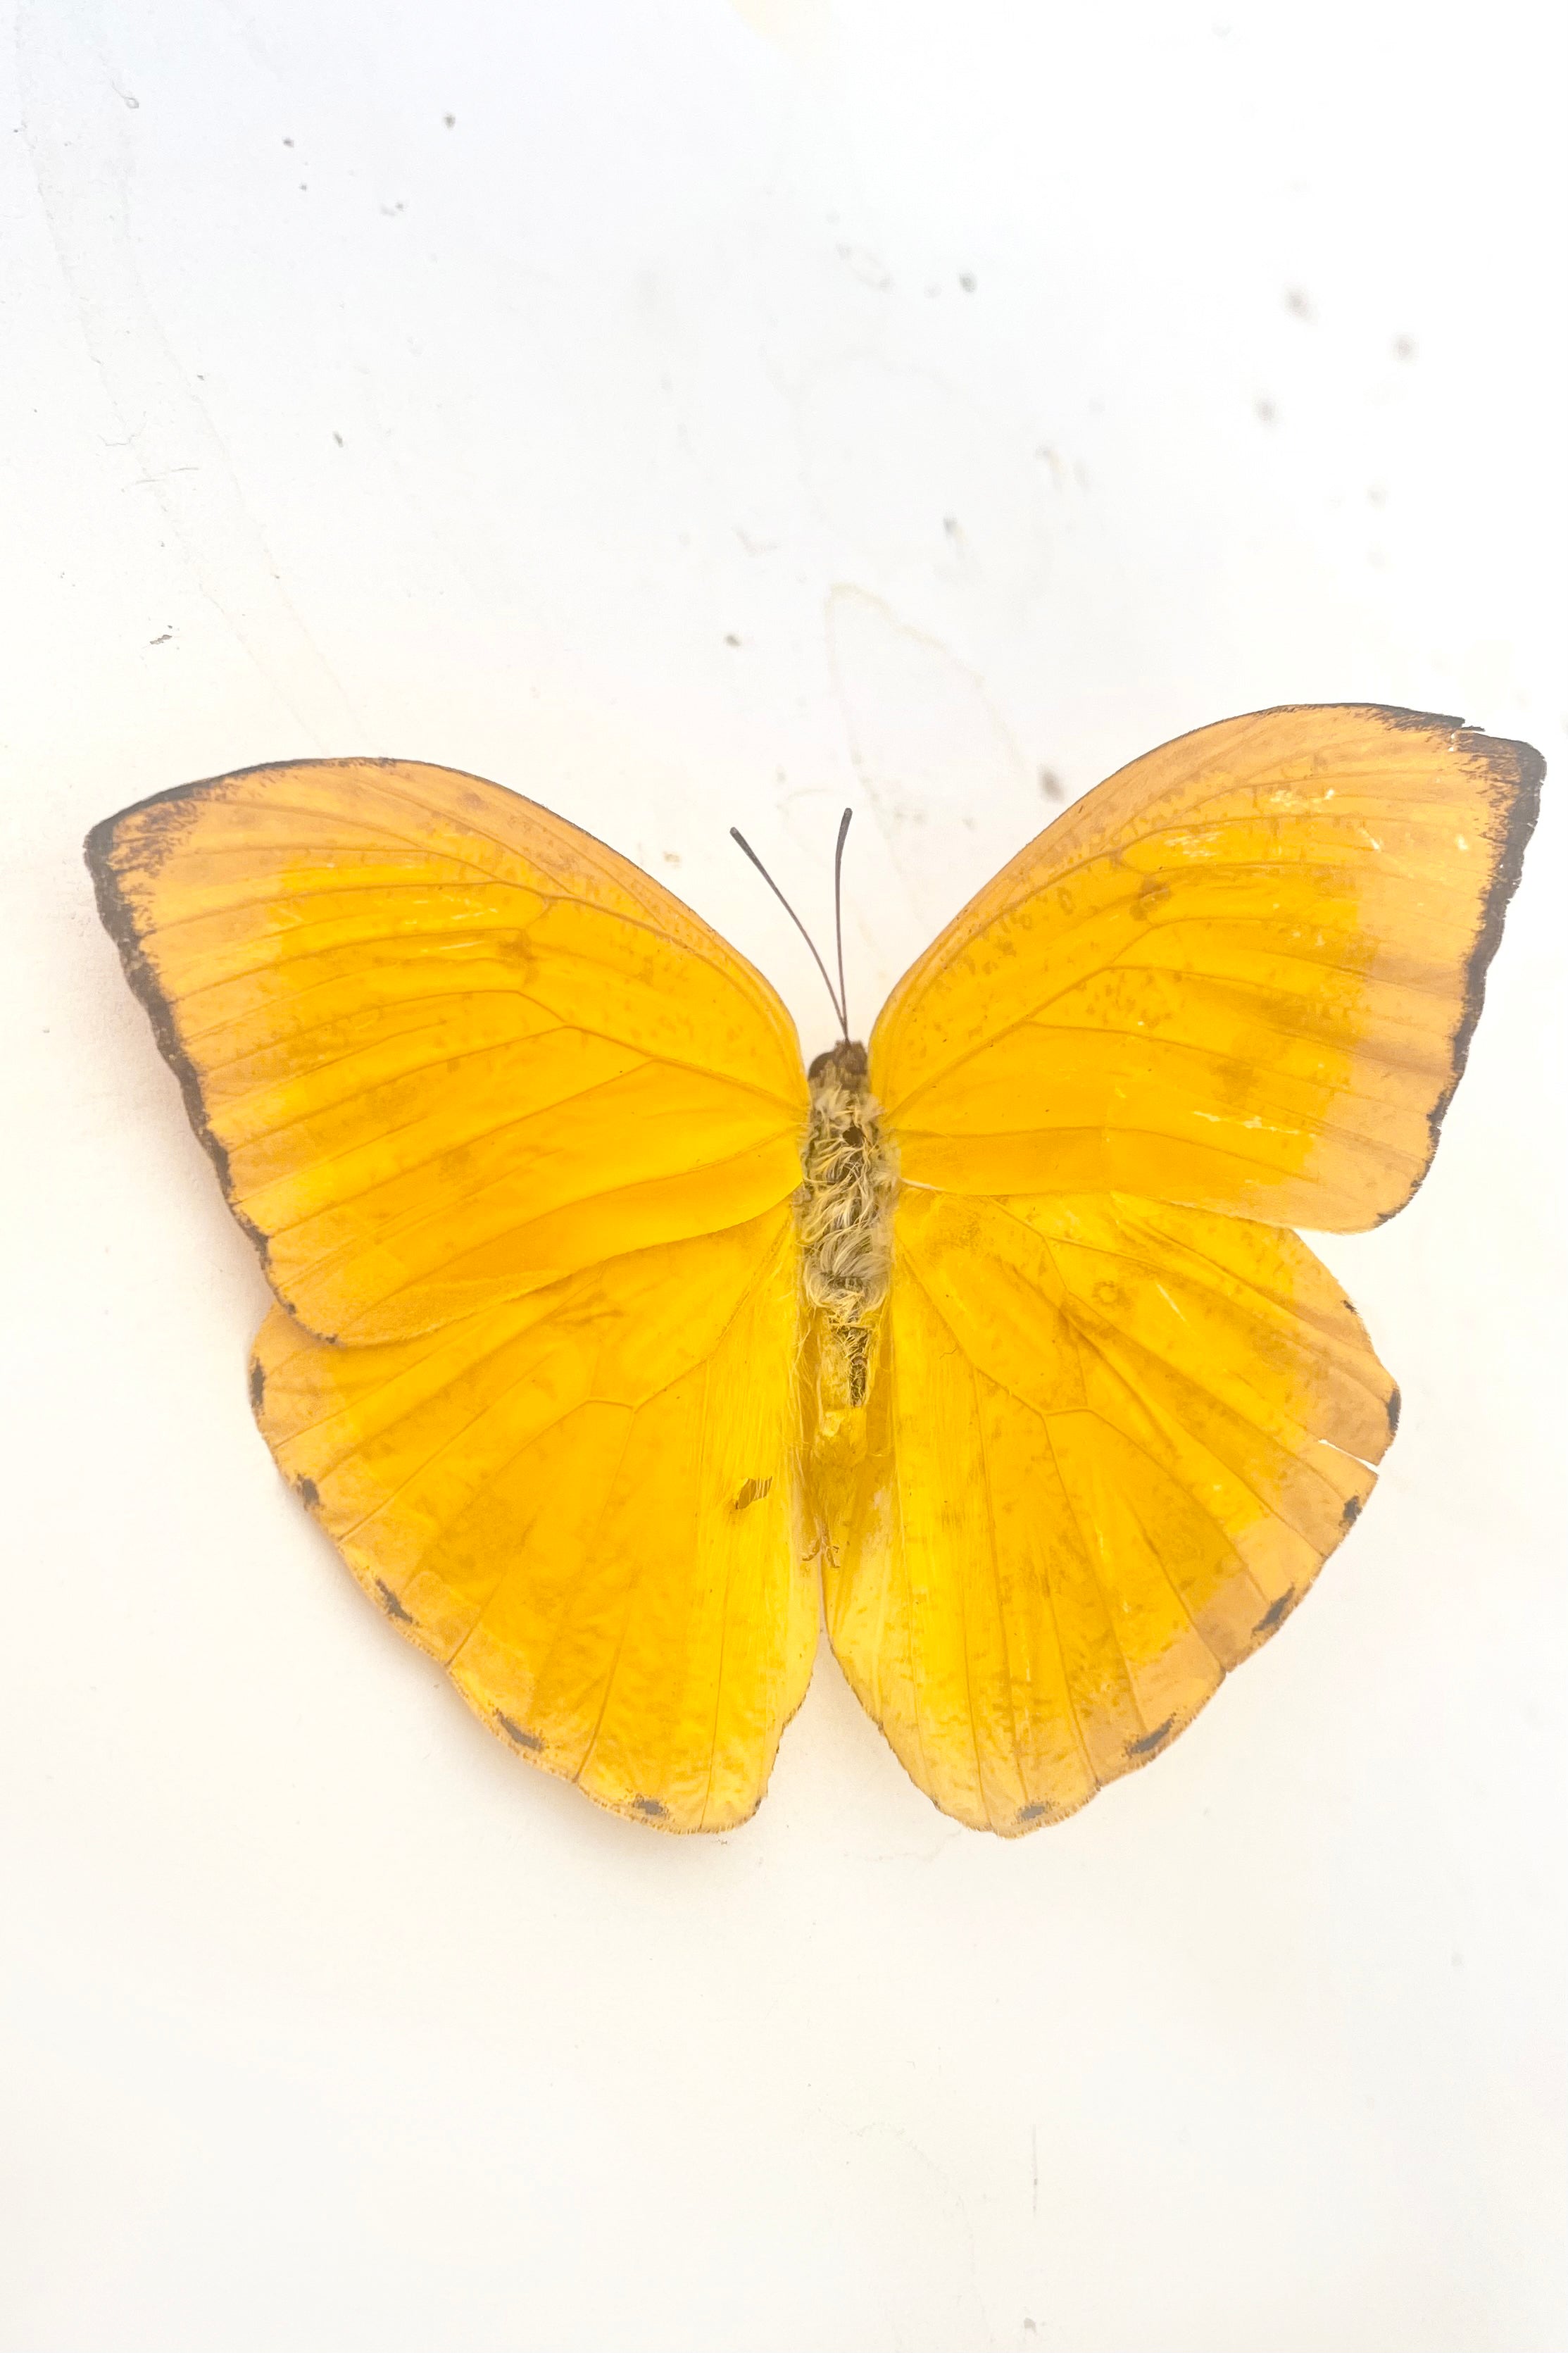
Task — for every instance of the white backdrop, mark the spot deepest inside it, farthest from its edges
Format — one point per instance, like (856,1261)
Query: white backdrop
(694,413)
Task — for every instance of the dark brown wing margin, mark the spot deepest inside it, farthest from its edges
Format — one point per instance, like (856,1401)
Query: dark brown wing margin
(118,922)
(1520,769)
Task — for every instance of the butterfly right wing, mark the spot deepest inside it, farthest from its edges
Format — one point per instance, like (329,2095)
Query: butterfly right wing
(1108,1446)
(1118,1420)
(1243,974)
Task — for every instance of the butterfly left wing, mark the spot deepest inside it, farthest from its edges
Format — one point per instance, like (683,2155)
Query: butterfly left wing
(517,1135)
(581,1500)
(442,1046)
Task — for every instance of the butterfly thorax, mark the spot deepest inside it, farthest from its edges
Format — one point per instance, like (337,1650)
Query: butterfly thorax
(845,1210)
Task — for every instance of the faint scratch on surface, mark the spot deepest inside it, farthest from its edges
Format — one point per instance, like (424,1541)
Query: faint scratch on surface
(906,2141)
(985,770)
(74,122)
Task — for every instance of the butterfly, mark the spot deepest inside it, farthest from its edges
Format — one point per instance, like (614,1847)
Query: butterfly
(611,1341)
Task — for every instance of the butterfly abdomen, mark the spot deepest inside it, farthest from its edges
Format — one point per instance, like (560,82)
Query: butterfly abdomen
(845,1210)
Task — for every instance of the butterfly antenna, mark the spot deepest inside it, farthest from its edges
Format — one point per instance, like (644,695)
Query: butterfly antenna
(838,919)
(736,835)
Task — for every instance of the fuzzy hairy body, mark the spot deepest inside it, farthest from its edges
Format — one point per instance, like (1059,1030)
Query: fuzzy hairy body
(845,1212)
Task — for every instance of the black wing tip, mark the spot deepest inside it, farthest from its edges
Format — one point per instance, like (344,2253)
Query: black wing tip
(1518,769)
(1499,751)
(99,840)
(118,917)
(1511,761)
(1517,764)
(99,847)
(1401,715)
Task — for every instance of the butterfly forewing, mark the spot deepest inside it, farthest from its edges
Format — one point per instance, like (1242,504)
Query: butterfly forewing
(1241,974)
(443,1046)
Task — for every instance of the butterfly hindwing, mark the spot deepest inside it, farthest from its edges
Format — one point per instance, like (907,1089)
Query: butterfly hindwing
(581,1502)
(1109,1444)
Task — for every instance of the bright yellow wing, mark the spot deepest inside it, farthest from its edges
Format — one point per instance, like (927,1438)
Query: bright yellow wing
(1242,973)
(1108,1446)
(517,1135)
(582,1503)
(1116,1421)
(441,1046)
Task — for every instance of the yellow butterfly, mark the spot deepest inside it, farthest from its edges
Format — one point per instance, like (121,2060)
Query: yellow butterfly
(609,1336)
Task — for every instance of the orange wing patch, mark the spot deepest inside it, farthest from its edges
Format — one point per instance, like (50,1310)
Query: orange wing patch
(442,1046)
(1243,974)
